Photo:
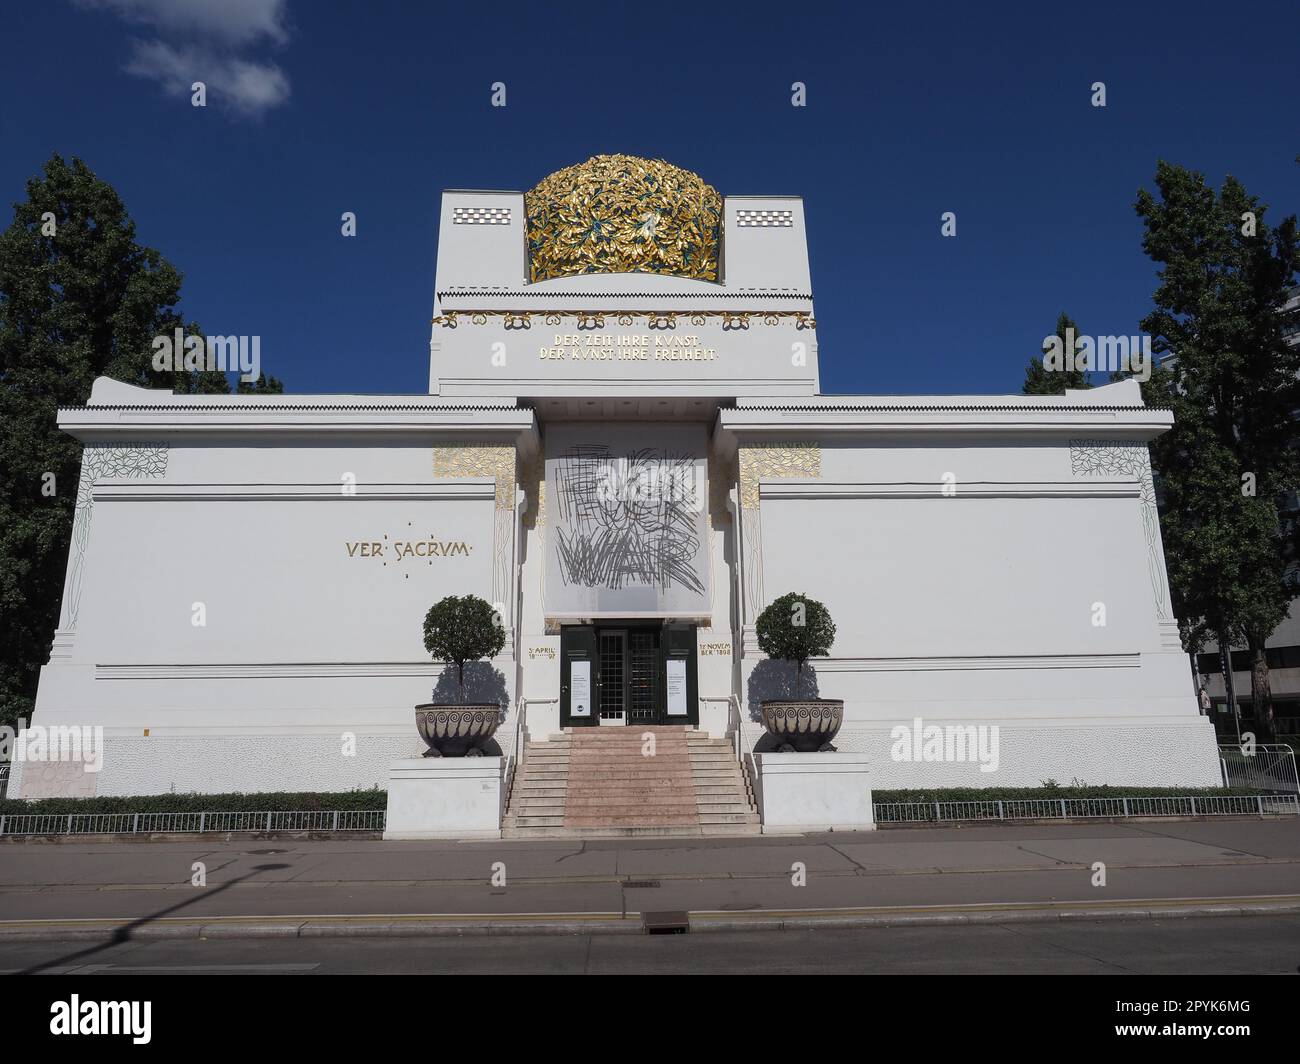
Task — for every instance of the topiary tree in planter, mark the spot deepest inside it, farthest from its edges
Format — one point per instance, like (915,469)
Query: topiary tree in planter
(461,629)
(795,628)
(457,630)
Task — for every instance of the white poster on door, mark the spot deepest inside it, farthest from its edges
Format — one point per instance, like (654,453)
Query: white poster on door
(580,689)
(676,687)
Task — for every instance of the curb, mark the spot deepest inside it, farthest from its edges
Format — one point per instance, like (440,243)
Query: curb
(705,922)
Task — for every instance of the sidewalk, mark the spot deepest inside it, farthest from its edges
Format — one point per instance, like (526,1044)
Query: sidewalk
(370,887)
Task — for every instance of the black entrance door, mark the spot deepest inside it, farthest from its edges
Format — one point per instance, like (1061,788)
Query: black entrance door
(629,675)
(621,674)
(644,668)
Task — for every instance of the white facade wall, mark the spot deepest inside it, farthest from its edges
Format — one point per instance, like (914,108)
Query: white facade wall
(972,607)
(991,580)
(309,659)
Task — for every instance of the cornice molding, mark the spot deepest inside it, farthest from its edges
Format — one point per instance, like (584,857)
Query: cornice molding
(814,489)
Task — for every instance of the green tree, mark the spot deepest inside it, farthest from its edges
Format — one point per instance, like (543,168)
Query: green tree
(79,298)
(1232,386)
(1039,380)
(264,385)
(460,629)
(795,628)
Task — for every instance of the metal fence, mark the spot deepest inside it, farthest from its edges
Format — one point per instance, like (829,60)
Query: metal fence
(1264,767)
(886,813)
(190,823)
(1087,808)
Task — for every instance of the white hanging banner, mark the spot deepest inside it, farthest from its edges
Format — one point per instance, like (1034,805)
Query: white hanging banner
(627,532)
(580,689)
(676,687)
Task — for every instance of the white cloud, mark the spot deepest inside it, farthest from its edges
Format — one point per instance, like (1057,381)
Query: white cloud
(233,21)
(208,41)
(250,87)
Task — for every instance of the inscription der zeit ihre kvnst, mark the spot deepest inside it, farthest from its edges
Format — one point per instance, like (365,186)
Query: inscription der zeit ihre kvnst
(627,347)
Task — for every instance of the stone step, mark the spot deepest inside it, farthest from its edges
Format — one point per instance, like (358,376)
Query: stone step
(667,782)
(595,764)
(628,735)
(649,767)
(591,782)
(582,804)
(631,812)
(660,831)
(630,820)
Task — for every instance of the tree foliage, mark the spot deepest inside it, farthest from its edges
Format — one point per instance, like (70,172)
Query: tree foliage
(1041,381)
(795,628)
(460,629)
(1232,386)
(80,298)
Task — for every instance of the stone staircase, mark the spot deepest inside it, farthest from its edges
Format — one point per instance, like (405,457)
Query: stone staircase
(600,782)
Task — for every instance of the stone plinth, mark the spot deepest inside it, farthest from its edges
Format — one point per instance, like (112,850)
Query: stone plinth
(445,798)
(814,792)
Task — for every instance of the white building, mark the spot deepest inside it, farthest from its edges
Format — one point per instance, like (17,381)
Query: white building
(249,574)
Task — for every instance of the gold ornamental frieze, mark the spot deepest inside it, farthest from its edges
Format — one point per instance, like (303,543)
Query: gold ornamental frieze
(455,460)
(775,461)
(652,319)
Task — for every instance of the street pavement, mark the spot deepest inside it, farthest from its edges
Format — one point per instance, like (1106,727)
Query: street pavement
(1232,946)
(370,887)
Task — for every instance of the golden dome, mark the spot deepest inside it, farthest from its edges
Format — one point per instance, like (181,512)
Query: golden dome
(623,214)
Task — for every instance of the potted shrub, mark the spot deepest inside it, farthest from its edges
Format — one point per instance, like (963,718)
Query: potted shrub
(795,628)
(459,630)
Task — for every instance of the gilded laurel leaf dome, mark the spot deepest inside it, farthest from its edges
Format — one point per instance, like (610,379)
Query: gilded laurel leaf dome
(623,214)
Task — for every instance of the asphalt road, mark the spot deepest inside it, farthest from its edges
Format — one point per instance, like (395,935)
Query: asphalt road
(1172,947)
(1001,864)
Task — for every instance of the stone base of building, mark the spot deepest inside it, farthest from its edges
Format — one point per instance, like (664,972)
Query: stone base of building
(445,798)
(222,763)
(814,792)
(1118,752)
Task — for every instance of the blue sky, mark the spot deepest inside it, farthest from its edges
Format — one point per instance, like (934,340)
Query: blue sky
(322,107)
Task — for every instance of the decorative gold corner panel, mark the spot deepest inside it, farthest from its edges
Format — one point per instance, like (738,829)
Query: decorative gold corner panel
(623,214)
(533,476)
(720,474)
(455,460)
(776,460)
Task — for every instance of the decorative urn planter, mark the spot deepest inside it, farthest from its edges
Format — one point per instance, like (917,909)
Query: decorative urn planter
(804,725)
(456,730)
